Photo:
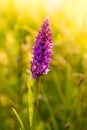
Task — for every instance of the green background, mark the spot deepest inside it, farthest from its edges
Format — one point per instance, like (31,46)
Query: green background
(64,105)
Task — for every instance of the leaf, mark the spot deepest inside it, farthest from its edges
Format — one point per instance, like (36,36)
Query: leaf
(19,119)
(31,104)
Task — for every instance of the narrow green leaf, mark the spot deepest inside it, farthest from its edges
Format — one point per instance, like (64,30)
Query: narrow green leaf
(19,119)
(31,104)
(55,125)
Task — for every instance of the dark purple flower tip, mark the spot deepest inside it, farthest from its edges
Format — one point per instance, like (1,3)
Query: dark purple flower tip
(42,51)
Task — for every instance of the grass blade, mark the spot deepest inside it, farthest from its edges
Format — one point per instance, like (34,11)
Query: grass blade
(19,119)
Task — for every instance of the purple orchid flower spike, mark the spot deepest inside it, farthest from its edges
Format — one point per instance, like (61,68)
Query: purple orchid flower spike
(42,51)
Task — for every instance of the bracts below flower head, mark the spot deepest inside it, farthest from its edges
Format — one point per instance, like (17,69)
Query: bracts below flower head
(42,51)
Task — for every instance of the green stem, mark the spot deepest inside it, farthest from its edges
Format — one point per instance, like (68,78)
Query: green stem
(37,89)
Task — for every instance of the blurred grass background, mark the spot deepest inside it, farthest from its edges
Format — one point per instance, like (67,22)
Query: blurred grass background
(64,105)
